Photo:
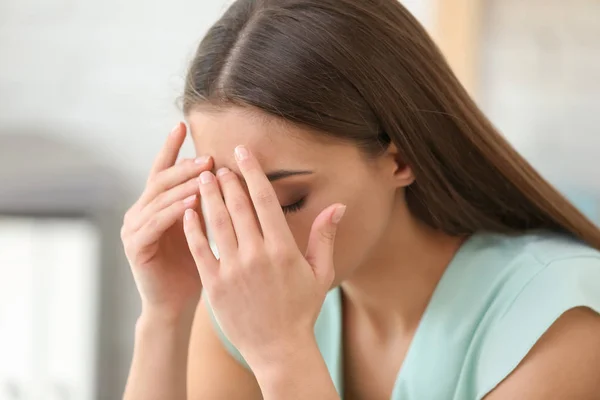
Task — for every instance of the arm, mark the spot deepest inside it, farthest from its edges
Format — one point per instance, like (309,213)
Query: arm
(165,273)
(297,374)
(564,364)
(212,372)
(163,358)
(159,358)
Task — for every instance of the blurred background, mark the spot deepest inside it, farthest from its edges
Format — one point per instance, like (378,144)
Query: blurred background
(87,95)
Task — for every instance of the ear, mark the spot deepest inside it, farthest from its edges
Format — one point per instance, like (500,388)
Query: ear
(401,172)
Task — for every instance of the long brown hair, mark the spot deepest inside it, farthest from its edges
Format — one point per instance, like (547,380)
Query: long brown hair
(367,71)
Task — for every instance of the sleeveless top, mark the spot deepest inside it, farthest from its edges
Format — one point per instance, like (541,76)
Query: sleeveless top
(497,297)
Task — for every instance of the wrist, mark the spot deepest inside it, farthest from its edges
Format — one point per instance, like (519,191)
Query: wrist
(160,314)
(163,337)
(284,356)
(297,374)
(153,318)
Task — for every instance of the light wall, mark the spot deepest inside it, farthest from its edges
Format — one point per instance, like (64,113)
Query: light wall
(455,26)
(532,65)
(103,76)
(539,82)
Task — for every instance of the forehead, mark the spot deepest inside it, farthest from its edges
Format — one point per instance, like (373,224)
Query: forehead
(275,143)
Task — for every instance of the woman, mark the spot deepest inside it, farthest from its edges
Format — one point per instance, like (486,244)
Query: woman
(458,272)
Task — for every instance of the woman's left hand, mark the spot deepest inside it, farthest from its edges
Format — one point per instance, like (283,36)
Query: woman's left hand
(264,292)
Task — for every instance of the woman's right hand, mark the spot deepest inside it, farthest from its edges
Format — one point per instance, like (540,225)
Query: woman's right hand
(152,232)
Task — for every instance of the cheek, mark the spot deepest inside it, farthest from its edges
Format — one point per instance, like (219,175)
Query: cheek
(300,224)
(356,236)
(369,209)
(359,233)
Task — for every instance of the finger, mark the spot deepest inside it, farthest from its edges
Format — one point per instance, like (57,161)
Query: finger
(168,154)
(319,252)
(165,199)
(217,215)
(174,176)
(205,259)
(155,227)
(240,210)
(270,216)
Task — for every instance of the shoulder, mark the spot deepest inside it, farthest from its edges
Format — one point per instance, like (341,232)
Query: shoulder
(564,363)
(545,299)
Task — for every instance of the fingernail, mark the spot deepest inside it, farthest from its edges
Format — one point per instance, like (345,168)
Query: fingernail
(222,171)
(206,177)
(176,128)
(241,153)
(190,199)
(338,214)
(189,214)
(202,160)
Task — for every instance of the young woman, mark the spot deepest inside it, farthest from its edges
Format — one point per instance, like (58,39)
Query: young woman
(457,271)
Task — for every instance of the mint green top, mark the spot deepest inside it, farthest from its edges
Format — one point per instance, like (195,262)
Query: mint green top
(496,298)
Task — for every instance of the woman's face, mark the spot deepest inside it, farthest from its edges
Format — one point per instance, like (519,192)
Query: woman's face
(308,173)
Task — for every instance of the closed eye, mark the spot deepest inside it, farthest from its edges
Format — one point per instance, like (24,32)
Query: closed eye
(292,208)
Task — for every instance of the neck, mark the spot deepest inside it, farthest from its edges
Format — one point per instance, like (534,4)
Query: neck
(393,289)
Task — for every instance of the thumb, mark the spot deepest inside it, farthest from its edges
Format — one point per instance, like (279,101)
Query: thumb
(319,252)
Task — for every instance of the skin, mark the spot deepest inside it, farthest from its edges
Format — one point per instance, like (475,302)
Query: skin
(267,254)
(564,363)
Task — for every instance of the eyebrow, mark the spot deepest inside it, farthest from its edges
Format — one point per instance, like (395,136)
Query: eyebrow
(285,173)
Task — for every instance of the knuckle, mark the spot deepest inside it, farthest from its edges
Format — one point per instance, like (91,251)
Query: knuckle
(251,256)
(220,220)
(226,279)
(280,254)
(128,217)
(124,233)
(248,167)
(152,223)
(160,201)
(154,180)
(327,236)
(198,247)
(158,182)
(265,197)
(131,248)
(239,205)
(230,274)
